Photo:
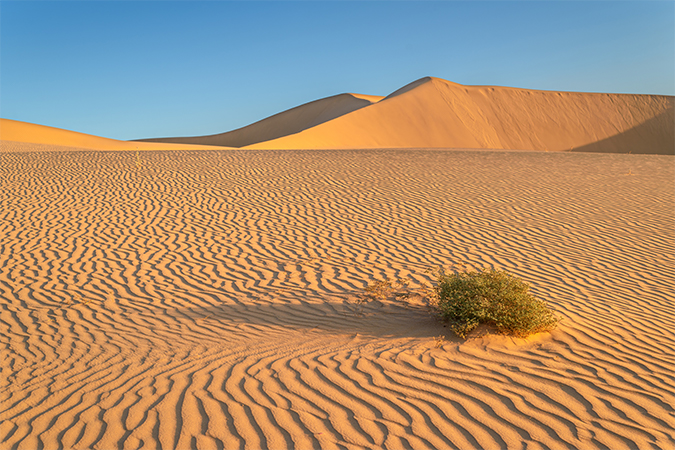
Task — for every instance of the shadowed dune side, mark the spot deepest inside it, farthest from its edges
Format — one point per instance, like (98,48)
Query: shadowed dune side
(434,113)
(285,123)
(409,87)
(657,131)
(13,133)
(554,121)
(207,299)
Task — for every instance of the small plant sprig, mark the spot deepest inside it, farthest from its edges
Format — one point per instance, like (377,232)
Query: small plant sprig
(77,300)
(384,289)
(381,290)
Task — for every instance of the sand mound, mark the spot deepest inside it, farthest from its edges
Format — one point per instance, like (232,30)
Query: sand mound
(283,124)
(205,299)
(13,133)
(434,113)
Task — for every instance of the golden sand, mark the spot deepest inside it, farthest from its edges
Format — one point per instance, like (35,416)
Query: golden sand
(205,299)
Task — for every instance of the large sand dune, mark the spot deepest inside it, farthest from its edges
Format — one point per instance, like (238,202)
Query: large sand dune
(434,113)
(14,133)
(205,299)
(285,123)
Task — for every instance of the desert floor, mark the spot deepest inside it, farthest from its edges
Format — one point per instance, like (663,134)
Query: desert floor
(207,299)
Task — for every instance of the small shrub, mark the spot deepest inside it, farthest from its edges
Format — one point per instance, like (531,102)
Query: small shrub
(383,289)
(467,299)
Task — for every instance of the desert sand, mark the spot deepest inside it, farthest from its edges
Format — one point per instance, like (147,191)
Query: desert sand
(207,299)
(435,113)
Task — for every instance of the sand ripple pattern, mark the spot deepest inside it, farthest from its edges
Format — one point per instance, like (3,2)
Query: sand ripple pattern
(205,300)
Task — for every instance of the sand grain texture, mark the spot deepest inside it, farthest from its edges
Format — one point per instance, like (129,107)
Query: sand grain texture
(204,299)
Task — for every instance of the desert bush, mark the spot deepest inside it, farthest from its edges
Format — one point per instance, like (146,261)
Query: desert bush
(469,298)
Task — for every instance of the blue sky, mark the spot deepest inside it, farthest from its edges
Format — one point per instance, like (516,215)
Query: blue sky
(130,70)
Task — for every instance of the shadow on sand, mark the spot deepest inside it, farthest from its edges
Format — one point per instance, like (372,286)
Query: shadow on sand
(381,319)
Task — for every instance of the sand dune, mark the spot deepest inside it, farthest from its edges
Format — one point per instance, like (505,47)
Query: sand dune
(205,299)
(13,133)
(428,113)
(434,113)
(288,122)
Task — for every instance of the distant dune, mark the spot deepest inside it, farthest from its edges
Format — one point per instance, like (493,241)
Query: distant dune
(428,113)
(434,113)
(14,131)
(283,124)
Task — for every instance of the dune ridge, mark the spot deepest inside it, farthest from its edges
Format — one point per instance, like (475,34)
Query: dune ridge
(435,113)
(206,299)
(283,124)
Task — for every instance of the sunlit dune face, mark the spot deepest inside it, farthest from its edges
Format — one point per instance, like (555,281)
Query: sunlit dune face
(434,113)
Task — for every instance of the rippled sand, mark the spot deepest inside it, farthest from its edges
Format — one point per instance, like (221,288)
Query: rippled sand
(205,299)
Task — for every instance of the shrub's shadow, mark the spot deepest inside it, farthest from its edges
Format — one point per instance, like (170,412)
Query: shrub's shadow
(380,319)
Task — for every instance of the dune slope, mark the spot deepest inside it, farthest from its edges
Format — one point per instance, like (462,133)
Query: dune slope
(207,299)
(13,133)
(283,124)
(434,113)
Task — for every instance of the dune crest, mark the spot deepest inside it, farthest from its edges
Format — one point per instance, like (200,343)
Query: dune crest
(435,113)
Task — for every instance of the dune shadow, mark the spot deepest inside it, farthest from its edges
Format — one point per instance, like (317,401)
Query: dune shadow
(279,125)
(656,136)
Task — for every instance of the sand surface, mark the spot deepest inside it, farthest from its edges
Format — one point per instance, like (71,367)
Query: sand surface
(206,300)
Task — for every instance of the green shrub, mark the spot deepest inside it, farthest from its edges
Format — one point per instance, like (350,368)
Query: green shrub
(467,299)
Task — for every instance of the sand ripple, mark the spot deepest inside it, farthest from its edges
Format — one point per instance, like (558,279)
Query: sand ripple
(205,300)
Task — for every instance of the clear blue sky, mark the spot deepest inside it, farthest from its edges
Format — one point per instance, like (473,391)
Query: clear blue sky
(129,70)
